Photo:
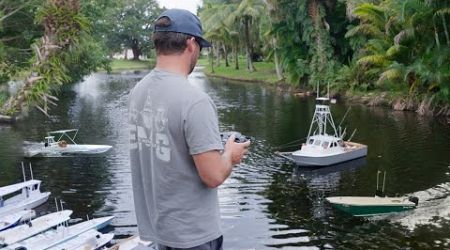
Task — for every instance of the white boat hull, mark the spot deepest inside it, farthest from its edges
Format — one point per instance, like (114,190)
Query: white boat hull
(131,243)
(70,149)
(307,159)
(28,203)
(36,226)
(61,235)
(14,219)
(91,239)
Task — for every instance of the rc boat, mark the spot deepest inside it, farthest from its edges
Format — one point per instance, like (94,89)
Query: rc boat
(52,147)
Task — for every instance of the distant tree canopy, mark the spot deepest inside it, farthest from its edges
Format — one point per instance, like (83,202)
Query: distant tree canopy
(56,42)
(127,24)
(351,44)
(365,45)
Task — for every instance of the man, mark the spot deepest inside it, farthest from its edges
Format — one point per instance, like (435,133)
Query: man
(177,156)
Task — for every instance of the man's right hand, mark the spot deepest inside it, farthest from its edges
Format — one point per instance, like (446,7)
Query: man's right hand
(235,149)
(215,167)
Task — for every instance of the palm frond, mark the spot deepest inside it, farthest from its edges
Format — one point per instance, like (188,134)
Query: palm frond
(364,29)
(373,60)
(369,12)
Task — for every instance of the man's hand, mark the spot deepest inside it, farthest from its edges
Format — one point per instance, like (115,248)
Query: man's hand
(215,167)
(236,150)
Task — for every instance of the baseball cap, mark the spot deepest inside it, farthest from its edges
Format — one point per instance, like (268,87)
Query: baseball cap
(183,21)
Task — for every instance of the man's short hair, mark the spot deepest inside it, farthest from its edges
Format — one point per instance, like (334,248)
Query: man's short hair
(169,43)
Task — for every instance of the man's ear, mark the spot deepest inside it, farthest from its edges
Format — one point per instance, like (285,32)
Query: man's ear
(190,44)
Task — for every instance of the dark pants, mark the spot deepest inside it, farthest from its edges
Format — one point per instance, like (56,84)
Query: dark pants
(211,245)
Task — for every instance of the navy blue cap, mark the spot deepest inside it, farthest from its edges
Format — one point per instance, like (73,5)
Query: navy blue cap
(183,21)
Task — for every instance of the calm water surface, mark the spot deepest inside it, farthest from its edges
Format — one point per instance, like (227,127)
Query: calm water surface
(267,203)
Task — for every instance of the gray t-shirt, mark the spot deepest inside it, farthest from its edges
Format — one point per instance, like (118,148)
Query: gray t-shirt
(170,120)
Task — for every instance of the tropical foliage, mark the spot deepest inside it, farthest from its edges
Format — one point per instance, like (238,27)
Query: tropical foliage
(54,42)
(365,45)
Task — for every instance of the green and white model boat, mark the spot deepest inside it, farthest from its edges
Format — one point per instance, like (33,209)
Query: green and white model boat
(371,206)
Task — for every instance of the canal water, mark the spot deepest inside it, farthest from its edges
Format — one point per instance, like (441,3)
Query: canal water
(267,203)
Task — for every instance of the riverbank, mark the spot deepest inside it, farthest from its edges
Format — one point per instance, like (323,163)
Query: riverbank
(265,71)
(118,65)
(265,74)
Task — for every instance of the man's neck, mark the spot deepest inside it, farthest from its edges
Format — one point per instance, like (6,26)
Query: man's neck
(172,63)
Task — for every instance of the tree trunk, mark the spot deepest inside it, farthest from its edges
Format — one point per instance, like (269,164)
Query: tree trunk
(135,48)
(321,61)
(250,66)
(225,55)
(211,59)
(236,57)
(217,47)
(445,29)
(277,60)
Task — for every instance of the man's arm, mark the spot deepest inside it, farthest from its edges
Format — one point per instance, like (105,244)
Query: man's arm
(214,167)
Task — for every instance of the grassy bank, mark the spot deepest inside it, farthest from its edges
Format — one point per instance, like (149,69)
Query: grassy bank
(121,64)
(265,71)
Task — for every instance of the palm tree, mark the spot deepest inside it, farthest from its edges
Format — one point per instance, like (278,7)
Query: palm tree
(272,35)
(216,29)
(248,13)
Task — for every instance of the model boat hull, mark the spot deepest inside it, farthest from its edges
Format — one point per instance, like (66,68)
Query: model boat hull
(61,235)
(315,159)
(370,206)
(70,149)
(131,243)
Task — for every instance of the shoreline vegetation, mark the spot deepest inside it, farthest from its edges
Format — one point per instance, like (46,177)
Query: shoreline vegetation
(119,65)
(392,53)
(265,74)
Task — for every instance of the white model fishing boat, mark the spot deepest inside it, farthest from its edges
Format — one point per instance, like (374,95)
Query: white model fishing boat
(24,195)
(62,234)
(373,205)
(131,243)
(91,239)
(12,220)
(324,145)
(52,147)
(34,227)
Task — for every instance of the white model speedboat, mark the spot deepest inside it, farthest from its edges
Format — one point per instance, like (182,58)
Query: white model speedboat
(24,195)
(91,239)
(62,234)
(34,227)
(13,219)
(131,243)
(324,145)
(52,147)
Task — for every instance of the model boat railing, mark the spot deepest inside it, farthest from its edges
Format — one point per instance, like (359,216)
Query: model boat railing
(64,133)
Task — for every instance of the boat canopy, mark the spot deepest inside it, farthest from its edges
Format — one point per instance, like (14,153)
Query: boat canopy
(16,187)
(64,132)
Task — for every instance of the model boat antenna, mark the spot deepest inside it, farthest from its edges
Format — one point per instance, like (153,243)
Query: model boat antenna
(56,204)
(328,90)
(23,173)
(345,116)
(350,139)
(380,193)
(31,172)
